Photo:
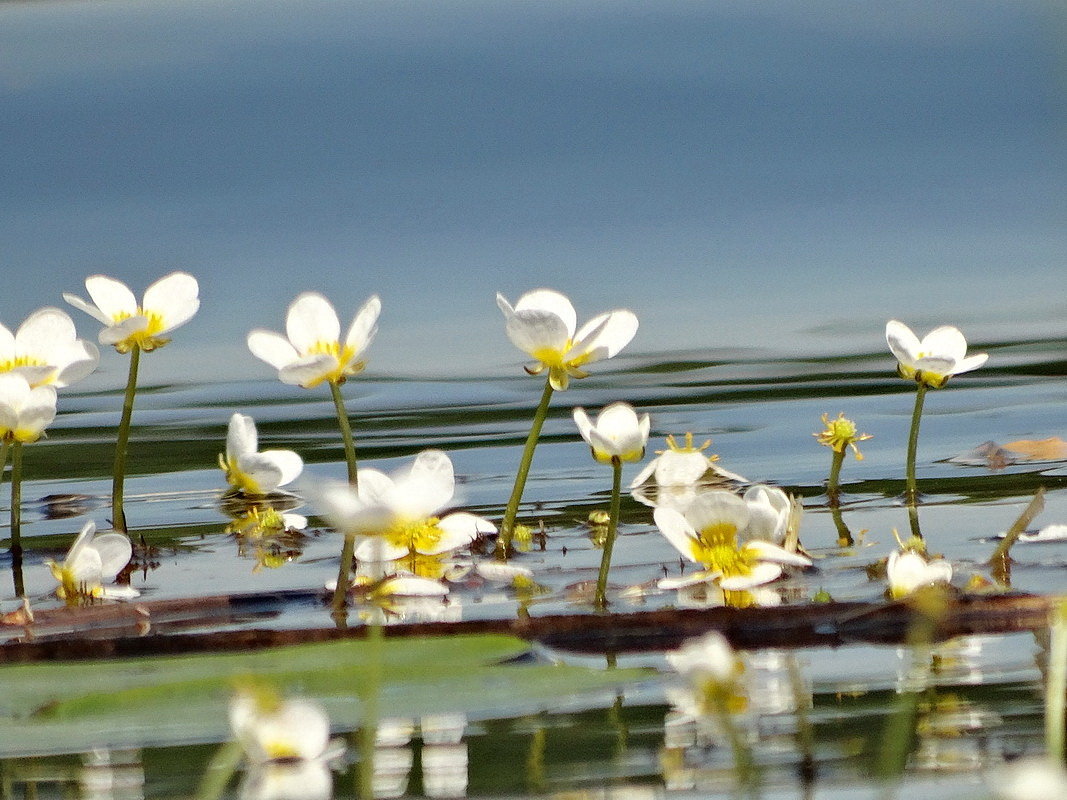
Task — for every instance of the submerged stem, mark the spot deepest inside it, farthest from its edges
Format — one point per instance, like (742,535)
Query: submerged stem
(346,433)
(16,515)
(833,483)
(340,594)
(613,527)
(118,514)
(507,526)
(911,493)
(368,732)
(1056,691)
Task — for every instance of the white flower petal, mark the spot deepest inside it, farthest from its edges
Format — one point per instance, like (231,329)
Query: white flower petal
(604,336)
(771,552)
(680,469)
(761,573)
(87,307)
(945,341)
(536,332)
(119,331)
(85,566)
(79,361)
(174,297)
(272,347)
(112,297)
(971,363)
(902,342)
(288,463)
(412,586)
(241,439)
(459,529)
(82,540)
(502,573)
(261,471)
(375,549)
(364,326)
(425,487)
(115,552)
(717,506)
(308,371)
(311,319)
(693,579)
(677,529)
(551,302)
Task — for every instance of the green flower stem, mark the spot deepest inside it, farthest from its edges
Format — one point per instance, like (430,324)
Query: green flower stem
(744,767)
(340,594)
(222,767)
(507,526)
(1056,691)
(118,514)
(833,483)
(911,493)
(844,535)
(16,498)
(346,433)
(609,539)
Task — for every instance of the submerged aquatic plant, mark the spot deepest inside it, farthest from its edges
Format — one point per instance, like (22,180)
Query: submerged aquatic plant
(132,328)
(249,472)
(732,537)
(930,362)
(618,435)
(93,560)
(312,353)
(544,325)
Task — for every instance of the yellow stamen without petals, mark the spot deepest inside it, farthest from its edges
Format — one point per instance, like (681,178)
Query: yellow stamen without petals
(840,433)
(672,444)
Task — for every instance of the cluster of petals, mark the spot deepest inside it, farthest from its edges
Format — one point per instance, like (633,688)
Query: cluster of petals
(940,354)
(25,411)
(168,303)
(249,471)
(269,728)
(908,570)
(46,350)
(312,351)
(93,560)
(396,515)
(730,536)
(618,432)
(544,325)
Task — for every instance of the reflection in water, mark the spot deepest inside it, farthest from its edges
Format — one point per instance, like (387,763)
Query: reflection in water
(443,756)
(300,780)
(112,775)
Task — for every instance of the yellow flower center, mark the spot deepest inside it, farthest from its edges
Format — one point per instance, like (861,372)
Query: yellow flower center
(146,339)
(21,361)
(281,750)
(70,588)
(416,536)
(840,433)
(343,354)
(241,481)
(716,548)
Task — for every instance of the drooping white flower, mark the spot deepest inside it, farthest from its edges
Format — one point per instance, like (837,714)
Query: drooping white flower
(93,560)
(312,352)
(247,470)
(941,354)
(714,531)
(272,729)
(168,303)
(907,570)
(543,324)
(24,411)
(398,513)
(46,350)
(617,433)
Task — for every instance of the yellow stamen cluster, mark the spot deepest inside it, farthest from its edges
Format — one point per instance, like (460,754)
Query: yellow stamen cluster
(716,548)
(146,340)
(70,588)
(258,523)
(416,535)
(840,433)
(344,354)
(240,481)
(672,444)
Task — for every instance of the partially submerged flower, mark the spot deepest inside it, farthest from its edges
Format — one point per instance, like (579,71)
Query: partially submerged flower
(168,303)
(398,513)
(46,350)
(908,570)
(93,560)
(617,433)
(270,728)
(249,471)
(673,476)
(312,351)
(941,354)
(721,531)
(24,411)
(840,433)
(543,324)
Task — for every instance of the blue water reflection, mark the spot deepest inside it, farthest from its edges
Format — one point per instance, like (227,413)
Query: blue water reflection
(787,175)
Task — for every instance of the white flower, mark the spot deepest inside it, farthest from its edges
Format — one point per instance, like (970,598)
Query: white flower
(1030,779)
(46,350)
(941,354)
(542,324)
(673,477)
(288,780)
(313,352)
(24,412)
(907,570)
(271,729)
(168,303)
(249,471)
(715,531)
(91,561)
(618,432)
(707,658)
(769,509)
(398,512)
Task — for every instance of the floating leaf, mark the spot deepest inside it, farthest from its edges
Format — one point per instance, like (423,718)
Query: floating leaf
(1052,449)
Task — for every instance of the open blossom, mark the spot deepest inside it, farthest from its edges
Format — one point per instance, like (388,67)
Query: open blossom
(941,354)
(721,531)
(46,350)
(617,433)
(168,303)
(272,729)
(93,560)
(398,513)
(312,351)
(907,570)
(543,324)
(24,411)
(249,471)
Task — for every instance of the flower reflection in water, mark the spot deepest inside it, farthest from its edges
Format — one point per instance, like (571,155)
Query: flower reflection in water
(443,756)
(112,775)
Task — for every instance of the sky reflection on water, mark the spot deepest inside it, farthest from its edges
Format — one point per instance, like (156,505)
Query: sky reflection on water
(785,176)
